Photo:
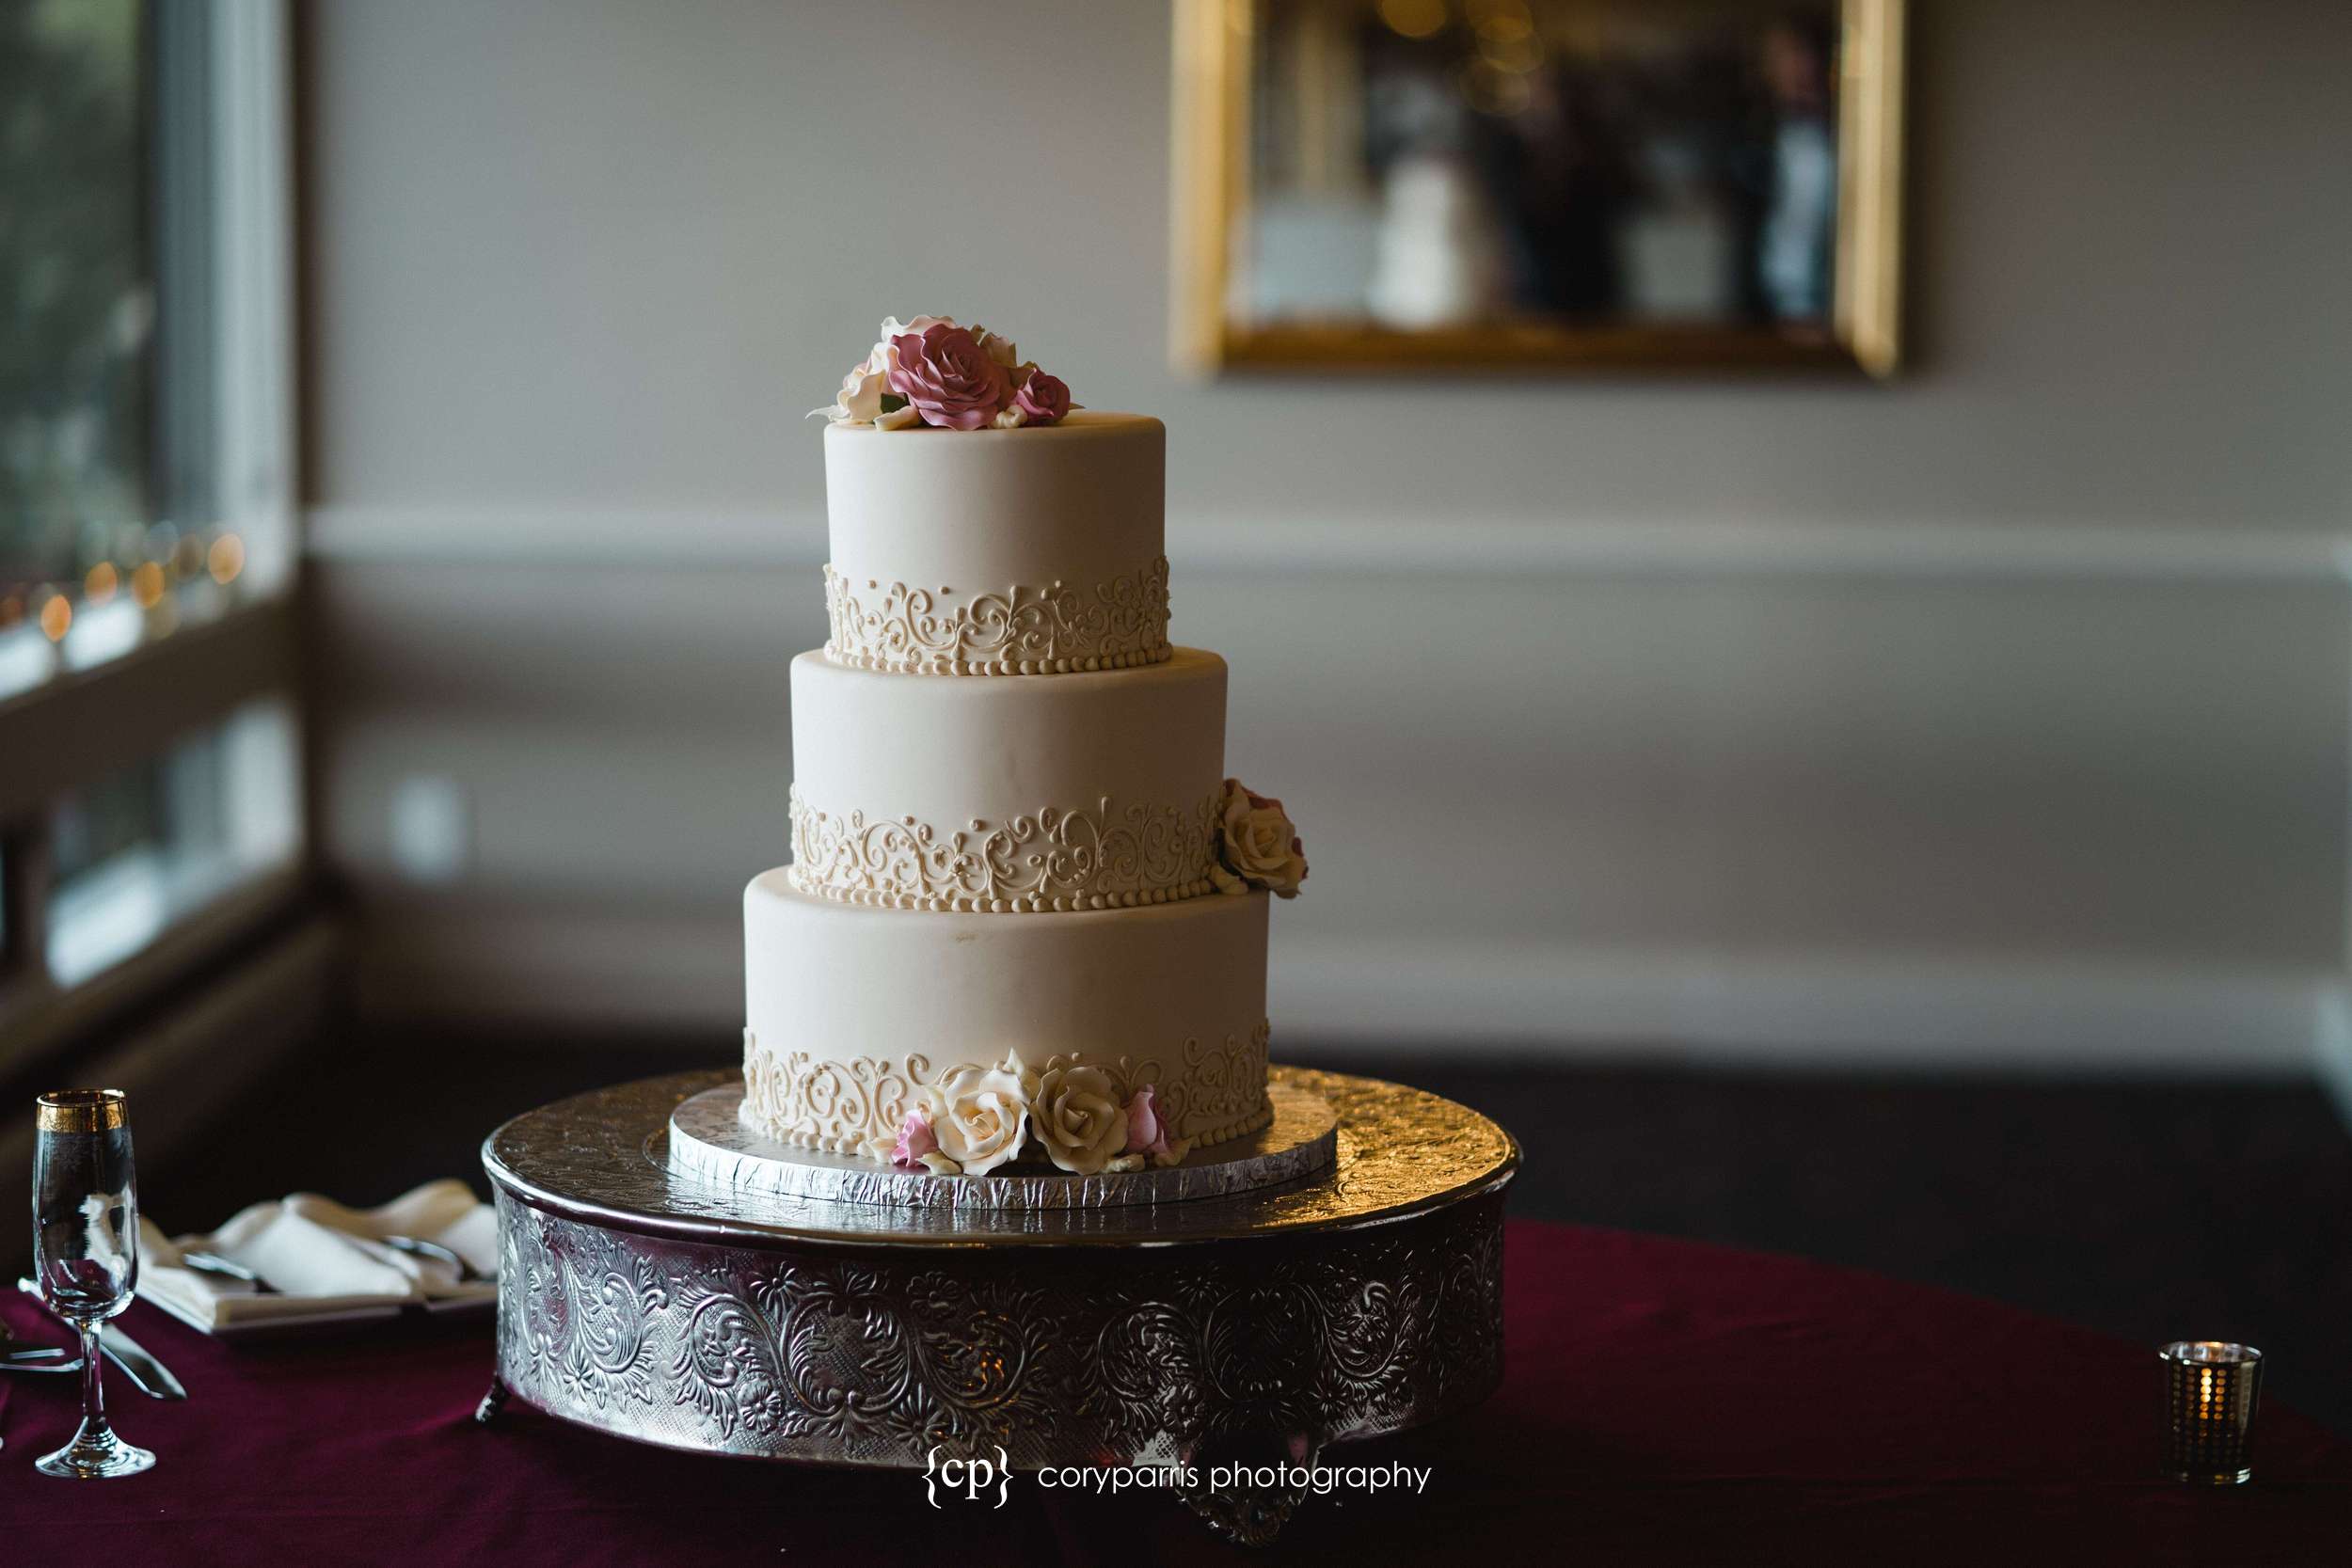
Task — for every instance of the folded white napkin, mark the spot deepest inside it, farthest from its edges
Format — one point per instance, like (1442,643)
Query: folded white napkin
(320,1258)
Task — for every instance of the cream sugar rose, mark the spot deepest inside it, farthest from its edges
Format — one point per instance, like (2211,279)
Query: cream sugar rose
(1023,917)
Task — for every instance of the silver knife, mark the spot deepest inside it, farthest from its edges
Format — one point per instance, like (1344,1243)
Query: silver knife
(147,1374)
(18,1364)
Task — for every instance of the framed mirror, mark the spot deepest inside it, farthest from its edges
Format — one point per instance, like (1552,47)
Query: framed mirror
(1534,184)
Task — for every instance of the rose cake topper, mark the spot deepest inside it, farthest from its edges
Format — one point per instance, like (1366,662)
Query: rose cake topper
(930,370)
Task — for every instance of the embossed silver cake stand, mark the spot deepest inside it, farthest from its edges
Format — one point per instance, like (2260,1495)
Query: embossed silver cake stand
(649,1300)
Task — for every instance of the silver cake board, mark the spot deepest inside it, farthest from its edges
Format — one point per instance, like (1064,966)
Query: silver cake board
(710,1141)
(640,1298)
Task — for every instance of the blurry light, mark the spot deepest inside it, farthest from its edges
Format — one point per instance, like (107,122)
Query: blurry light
(100,585)
(1516,55)
(1501,19)
(26,659)
(1415,19)
(1491,90)
(226,558)
(101,632)
(57,617)
(146,584)
(134,319)
(432,828)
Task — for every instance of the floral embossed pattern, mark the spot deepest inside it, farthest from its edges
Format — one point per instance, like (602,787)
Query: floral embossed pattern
(1208,1090)
(1061,1356)
(1108,858)
(1024,631)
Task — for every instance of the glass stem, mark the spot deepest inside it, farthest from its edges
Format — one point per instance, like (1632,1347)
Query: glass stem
(93,1391)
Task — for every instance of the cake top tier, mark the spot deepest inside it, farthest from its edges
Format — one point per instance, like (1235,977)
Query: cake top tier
(1033,550)
(981,523)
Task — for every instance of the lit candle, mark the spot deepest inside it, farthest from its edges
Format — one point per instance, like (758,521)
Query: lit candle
(2210,1390)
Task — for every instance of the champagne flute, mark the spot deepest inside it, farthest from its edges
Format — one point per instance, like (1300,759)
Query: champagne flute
(85,1253)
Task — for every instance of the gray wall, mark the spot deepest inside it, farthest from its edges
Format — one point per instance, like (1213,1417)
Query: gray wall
(1999,710)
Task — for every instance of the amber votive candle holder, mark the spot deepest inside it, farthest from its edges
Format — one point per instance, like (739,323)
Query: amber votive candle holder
(2211,1388)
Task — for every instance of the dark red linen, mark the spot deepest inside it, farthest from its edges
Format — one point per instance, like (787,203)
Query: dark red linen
(1666,1402)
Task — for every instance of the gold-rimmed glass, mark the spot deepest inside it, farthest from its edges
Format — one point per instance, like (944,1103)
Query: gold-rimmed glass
(85,1253)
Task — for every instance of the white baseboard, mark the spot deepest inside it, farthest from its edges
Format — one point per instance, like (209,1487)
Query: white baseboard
(1806,1010)
(537,967)
(606,971)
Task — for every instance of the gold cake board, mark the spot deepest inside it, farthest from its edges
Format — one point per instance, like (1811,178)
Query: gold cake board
(1358,1301)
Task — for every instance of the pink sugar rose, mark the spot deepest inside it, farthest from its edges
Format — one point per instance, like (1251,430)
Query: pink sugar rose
(946,377)
(1042,399)
(915,1139)
(1147,1131)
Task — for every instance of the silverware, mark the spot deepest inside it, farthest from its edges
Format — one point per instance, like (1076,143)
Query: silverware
(44,1358)
(147,1374)
(13,1365)
(416,1248)
(228,1268)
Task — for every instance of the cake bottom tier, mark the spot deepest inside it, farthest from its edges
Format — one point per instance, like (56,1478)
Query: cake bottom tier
(851,1009)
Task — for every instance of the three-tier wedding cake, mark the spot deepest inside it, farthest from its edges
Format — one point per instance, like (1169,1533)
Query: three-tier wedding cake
(1025,915)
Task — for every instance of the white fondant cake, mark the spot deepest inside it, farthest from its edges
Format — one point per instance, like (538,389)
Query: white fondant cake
(1024,916)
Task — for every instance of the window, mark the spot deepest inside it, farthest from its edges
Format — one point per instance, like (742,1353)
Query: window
(144,847)
(149,734)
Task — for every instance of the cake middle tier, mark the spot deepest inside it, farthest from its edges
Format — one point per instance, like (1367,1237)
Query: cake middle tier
(1087,791)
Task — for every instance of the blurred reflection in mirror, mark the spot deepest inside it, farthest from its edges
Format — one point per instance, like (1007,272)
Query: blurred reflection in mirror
(1481,180)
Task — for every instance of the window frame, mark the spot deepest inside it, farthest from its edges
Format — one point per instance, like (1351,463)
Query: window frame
(81,725)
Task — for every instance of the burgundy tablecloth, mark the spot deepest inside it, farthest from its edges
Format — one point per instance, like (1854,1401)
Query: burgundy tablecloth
(1666,1402)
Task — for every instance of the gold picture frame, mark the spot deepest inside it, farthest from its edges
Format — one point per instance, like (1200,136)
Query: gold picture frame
(1212,182)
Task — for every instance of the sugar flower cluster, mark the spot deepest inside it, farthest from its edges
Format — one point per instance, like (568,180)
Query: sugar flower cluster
(930,370)
(975,1119)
